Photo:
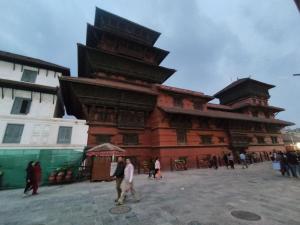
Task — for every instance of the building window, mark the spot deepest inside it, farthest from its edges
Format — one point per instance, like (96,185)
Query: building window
(255,113)
(204,123)
(130,139)
(103,138)
(260,140)
(178,101)
(29,76)
(206,139)
(21,106)
(274,140)
(64,135)
(198,105)
(267,115)
(221,140)
(257,127)
(181,137)
(13,133)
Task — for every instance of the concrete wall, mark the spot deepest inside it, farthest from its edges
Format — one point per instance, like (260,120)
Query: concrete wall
(39,109)
(7,71)
(44,132)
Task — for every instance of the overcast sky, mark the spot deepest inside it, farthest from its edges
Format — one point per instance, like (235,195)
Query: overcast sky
(211,42)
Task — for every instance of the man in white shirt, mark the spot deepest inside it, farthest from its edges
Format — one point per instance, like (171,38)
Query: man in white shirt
(127,184)
(243,160)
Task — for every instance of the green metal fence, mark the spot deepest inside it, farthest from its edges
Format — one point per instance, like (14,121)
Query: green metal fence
(13,163)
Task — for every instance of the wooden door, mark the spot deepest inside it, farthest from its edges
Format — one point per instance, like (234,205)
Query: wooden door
(101,169)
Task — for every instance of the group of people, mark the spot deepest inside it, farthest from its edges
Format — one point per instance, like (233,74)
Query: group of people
(124,180)
(289,162)
(228,160)
(33,177)
(154,169)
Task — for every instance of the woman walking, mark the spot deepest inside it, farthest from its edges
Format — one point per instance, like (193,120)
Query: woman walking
(37,171)
(29,177)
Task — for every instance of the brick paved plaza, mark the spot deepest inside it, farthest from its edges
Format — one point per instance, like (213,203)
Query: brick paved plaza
(205,197)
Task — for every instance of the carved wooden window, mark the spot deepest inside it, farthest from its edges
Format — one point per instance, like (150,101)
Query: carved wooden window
(206,139)
(130,139)
(178,101)
(260,140)
(198,105)
(221,139)
(267,115)
(204,123)
(103,138)
(181,136)
(274,139)
(257,127)
(131,119)
(255,113)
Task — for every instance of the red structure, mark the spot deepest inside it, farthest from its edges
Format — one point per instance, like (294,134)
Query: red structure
(119,92)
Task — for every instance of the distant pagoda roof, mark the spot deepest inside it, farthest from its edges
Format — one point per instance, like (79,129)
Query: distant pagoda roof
(107,20)
(94,35)
(91,60)
(29,61)
(224,115)
(239,82)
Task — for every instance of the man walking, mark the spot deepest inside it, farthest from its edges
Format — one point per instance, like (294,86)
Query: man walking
(243,160)
(128,183)
(119,175)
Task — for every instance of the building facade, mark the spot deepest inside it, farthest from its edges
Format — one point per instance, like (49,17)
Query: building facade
(119,91)
(31,124)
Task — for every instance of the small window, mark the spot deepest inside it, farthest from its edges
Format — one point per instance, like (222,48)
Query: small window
(103,138)
(181,136)
(206,139)
(178,102)
(64,135)
(260,140)
(255,113)
(130,139)
(221,140)
(29,76)
(198,105)
(13,133)
(274,140)
(21,106)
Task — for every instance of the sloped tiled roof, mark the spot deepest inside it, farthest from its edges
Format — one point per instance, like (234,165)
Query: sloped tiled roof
(29,61)
(224,115)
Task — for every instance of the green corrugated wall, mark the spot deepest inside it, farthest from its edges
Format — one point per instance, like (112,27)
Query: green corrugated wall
(13,163)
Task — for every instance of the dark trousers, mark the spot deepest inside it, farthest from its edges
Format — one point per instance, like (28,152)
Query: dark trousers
(231,163)
(28,186)
(118,186)
(155,172)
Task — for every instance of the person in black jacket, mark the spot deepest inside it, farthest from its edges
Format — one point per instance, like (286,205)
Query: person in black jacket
(292,162)
(29,177)
(119,175)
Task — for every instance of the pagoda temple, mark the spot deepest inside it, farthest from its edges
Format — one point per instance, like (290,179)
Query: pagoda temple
(119,91)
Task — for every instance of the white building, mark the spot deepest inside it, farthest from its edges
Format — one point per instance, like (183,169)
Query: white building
(31,123)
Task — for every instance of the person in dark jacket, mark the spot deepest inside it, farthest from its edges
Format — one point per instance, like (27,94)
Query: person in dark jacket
(292,162)
(215,162)
(119,175)
(152,169)
(225,159)
(29,177)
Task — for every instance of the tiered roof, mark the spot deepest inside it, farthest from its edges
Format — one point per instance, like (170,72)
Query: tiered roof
(115,45)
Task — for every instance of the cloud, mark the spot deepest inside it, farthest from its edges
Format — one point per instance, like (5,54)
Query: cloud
(211,43)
